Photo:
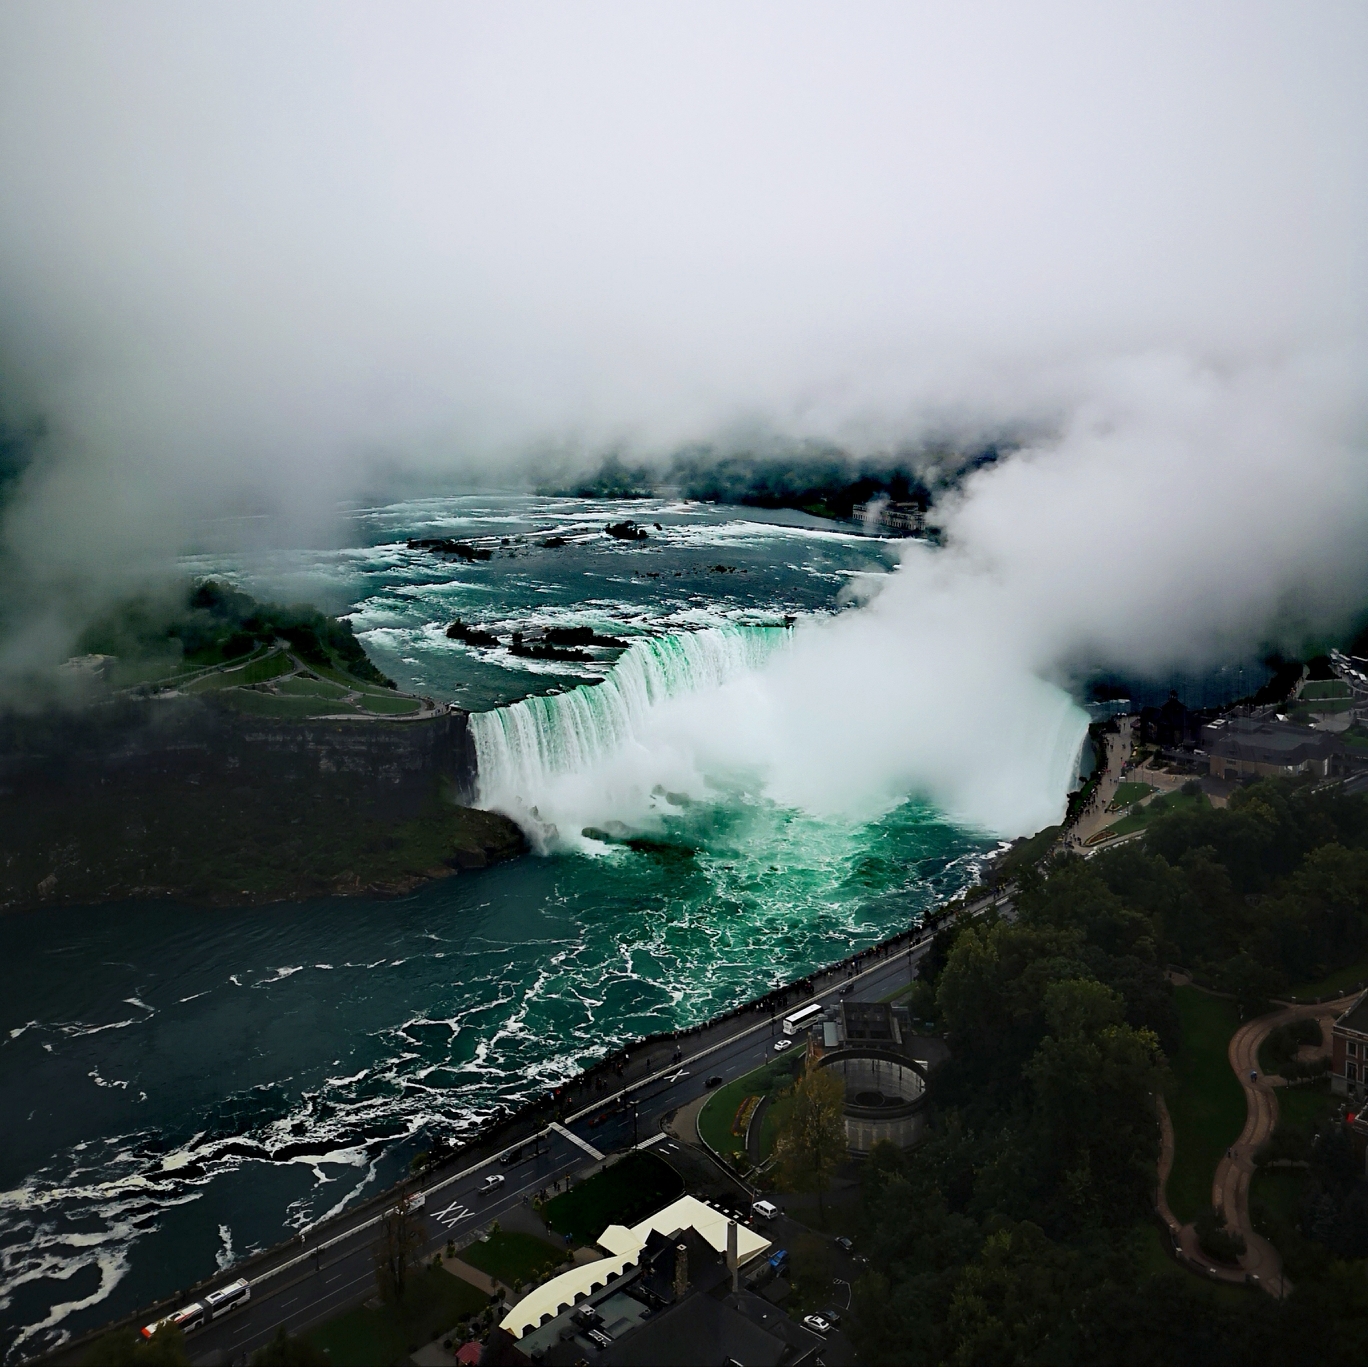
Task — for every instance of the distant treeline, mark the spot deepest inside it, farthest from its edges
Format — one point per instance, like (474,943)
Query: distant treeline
(214,622)
(825,482)
(1014,1233)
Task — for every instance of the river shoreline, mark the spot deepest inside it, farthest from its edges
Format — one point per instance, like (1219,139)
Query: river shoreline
(603,1086)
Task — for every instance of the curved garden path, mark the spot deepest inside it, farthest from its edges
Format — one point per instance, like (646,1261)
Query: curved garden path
(1230,1186)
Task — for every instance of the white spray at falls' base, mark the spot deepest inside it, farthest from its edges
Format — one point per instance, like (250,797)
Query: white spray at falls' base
(842,719)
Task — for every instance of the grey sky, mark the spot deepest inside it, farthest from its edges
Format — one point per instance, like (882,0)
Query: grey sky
(251,253)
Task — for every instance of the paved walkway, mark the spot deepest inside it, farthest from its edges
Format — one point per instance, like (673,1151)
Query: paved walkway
(1095,815)
(1230,1186)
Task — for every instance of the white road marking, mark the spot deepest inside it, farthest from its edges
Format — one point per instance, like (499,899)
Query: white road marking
(575,1139)
(452,1215)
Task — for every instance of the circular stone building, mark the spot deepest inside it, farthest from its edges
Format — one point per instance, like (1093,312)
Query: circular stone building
(885,1093)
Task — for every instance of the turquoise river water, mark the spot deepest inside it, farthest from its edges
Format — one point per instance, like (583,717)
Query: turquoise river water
(183,1086)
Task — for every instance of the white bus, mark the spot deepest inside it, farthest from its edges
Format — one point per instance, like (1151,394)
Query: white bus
(189,1317)
(801,1019)
(199,1313)
(228,1298)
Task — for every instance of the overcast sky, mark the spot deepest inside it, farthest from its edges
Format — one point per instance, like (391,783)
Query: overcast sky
(251,255)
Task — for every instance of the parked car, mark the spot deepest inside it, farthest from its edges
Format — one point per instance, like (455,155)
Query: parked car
(713,1082)
(817,1324)
(831,1317)
(844,1244)
(766,1210)
(779,1261)
(492,1183)
(781,1044)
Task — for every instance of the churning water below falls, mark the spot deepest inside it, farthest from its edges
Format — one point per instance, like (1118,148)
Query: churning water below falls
(183,1086)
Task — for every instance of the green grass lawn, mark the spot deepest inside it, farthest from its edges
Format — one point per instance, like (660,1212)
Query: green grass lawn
(1152,1260)
(300,687)
(1204,1099)
(1335,984)
(1275,1202)
(715,1119)
(258,668)
(511,1257)
(1142,816)
(363,1337)
(629,1191)
(1305,1107)
(1325,688)
(269,705)
(1305,712)
(390,705)
(1127,793)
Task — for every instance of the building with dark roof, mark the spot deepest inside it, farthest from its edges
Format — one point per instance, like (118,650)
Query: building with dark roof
(870,1023)
(1251,747)
(674,1297)
(1171,726)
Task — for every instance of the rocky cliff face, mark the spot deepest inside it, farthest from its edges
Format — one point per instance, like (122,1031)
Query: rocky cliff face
(182,798)
(185,740)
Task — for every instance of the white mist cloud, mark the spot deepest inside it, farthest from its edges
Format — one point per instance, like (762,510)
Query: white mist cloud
(254,257)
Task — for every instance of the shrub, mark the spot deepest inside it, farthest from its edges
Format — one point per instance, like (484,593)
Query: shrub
(1216,1240)
(1287,1143)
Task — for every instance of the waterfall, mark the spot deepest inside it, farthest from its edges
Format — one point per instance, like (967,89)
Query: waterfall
(522,748)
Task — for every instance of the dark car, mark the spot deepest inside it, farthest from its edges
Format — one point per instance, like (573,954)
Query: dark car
(845,1244)
(713,1082)
(511,1157)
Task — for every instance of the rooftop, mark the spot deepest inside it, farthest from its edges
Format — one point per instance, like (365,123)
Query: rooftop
(1271,742)
(624,1247)
(1356,1017)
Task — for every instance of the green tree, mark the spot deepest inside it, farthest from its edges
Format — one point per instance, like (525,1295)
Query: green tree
(1092,1079)
(1251,983)
(128,1348)
(812,1143)
(1012,1300)
(398,1250)
(286,1350)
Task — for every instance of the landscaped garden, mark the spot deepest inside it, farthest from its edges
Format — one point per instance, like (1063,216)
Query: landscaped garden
(1339,983)
(623,1194)
(1140,817)
(1127,794)
(722,1122)
(375,1336)
(1205,1100)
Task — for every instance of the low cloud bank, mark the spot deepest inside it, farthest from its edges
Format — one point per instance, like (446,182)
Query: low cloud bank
(255,262)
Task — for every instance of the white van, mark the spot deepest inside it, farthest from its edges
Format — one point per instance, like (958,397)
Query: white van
(765,1210)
